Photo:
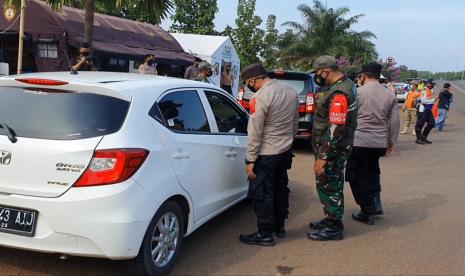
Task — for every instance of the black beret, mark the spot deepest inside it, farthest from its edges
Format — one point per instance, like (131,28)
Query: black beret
(254,71)
(372,67)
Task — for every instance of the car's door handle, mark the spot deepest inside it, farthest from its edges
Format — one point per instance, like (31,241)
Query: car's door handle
(181,155)
(230,154)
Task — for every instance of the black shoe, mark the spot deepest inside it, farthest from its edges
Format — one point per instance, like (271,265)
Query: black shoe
(280,232)
(363,218)
(378,207)
(318,225)
(328,233)
(378,212)
(420,142)
(427,141)
(257,239)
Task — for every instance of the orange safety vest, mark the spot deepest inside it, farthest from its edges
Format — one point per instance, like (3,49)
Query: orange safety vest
(429,93)
(411,97)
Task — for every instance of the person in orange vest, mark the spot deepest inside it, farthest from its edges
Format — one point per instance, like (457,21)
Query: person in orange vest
(425,122)
(409,109)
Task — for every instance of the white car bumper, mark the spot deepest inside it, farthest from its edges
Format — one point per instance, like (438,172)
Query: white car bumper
(107,221)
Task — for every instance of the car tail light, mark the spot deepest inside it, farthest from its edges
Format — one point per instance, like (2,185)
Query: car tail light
(112,166)
(42,81)
(310,103)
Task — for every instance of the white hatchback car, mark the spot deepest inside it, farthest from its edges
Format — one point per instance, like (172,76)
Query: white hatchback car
(114,165)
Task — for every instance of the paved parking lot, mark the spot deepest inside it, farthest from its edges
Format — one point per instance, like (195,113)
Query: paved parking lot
(422,231)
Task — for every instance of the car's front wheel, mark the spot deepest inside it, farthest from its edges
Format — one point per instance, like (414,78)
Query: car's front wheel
(162,242)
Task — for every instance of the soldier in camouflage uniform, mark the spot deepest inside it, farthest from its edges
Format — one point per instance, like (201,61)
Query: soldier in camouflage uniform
(335,121)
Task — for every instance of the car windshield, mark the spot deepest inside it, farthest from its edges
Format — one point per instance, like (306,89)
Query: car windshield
(301,83)
(60,115)
(298,85)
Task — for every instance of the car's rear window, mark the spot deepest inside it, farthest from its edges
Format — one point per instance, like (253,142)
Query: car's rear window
(300,83)
(60,115)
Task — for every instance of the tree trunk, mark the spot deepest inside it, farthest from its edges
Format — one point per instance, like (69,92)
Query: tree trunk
(89,24)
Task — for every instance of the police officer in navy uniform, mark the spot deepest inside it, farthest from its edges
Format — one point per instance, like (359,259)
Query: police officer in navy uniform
(335,121)
(271,130)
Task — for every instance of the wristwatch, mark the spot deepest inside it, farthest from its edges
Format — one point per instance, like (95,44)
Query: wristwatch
(247,162)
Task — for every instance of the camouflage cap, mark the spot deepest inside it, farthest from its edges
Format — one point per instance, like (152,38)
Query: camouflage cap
(204,65)
(323,62)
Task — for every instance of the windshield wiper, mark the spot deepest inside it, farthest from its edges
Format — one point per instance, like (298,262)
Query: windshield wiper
(9,132)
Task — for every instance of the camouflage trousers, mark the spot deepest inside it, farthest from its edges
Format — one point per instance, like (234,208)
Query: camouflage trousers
(330,187)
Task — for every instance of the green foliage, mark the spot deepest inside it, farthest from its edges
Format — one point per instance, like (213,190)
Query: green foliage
(450,76)
(194,16)
(327,31)
(149,11)
(270,41)
(247,36)
(408,74)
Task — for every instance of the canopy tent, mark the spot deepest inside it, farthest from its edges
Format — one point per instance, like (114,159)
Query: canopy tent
(111,35)
(219,51)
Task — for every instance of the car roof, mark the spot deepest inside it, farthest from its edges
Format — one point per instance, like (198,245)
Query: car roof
(119,85)
(288,73)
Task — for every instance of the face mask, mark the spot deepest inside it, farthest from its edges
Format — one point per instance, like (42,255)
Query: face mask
(319,80)
(252,87)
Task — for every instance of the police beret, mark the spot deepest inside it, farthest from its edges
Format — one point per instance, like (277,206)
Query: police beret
(254,71)
(372,67)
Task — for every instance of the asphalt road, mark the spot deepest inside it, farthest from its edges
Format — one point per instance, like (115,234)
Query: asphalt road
(422,231)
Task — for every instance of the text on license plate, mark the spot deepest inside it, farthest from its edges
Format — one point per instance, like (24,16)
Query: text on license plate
(17,221)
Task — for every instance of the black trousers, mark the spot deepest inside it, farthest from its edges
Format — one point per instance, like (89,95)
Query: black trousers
(269,191)
(363,174)
(425,117)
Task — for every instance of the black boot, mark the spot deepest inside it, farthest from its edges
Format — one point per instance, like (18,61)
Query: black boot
(318,224)
(426,140)
(280,232)
(257,238)
(419,136)
(378,207)
(363,218)
(333,230)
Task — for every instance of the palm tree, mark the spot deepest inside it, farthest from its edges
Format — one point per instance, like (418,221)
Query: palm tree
(156,9)
(327,31)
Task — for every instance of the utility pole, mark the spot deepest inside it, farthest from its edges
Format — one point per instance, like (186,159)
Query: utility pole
(21,37)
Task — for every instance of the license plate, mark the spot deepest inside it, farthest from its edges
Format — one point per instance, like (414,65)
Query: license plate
(17,221)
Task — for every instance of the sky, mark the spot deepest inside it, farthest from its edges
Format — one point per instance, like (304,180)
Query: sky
(422,34)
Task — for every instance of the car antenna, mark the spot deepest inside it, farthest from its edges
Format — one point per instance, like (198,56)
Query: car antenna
(71,69)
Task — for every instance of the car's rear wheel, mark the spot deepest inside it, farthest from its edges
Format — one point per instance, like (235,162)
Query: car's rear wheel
(162,242)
